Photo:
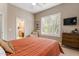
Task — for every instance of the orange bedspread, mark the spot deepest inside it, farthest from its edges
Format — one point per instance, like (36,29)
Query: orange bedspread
(34,46)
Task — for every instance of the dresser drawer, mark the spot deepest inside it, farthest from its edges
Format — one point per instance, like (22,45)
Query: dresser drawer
(70,36)
(71,43)
(70,39)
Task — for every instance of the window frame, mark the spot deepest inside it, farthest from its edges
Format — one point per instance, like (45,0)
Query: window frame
(47,34)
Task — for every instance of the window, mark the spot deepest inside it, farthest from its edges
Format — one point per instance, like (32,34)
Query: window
(50,25)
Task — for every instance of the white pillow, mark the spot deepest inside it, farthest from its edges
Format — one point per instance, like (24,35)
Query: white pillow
(2,52)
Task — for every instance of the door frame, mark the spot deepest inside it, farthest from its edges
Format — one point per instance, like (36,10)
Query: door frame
(17,26)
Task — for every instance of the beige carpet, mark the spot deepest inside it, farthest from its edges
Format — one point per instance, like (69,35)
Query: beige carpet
(70,51)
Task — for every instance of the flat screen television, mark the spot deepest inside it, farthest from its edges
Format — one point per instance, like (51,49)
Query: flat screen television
(70,21)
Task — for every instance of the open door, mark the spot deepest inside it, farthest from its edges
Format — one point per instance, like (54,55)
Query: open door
(19,28)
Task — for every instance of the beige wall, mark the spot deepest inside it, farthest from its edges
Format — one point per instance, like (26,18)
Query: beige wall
(66,10)
(14,12)
(3,11)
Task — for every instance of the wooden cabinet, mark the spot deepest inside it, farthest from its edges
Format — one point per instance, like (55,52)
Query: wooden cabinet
(70,39)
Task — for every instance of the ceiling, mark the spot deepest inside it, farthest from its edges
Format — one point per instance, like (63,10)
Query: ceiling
(35,8)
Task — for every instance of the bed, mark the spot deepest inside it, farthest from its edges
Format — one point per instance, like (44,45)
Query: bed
(36,46)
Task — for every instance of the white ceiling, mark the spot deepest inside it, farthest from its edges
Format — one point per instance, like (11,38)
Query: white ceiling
(35,8)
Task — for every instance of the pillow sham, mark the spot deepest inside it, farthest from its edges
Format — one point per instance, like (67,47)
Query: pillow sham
(5,45)
(10,45)
(2,52)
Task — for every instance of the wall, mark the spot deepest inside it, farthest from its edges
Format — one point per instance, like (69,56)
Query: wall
(66,10)
(3,11)
(14,12)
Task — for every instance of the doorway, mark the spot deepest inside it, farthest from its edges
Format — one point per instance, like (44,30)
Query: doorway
(19,28)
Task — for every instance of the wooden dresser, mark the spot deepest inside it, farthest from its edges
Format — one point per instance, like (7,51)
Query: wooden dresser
(70,39)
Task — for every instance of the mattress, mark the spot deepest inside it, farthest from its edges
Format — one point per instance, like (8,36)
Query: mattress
(36,46)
